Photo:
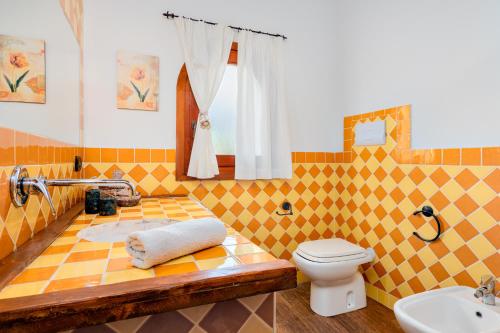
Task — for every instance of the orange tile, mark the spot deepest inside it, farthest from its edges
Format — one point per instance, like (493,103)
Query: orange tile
(329,157)
(7,137)
(92,155)
(435,156)
(451,156)
(21,147)
(347,122)
(142,155)
(300,157)
(35,274)
(170,155)
(320,157)
(181,268)
(466,204)
(33,149)
(213,252)
(87,255)
(58,153)
(126,155)
(310,157)
(57,249)
(471,156)
(43,153)
(491,156)
(465,255)
(74,283)
(51,151)
(158,155)
(118,264)
(109,155)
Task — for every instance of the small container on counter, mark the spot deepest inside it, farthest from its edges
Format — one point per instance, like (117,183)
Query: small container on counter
(92,201)
(107,205)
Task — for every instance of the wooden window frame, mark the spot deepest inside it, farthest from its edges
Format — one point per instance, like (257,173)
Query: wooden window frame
(186,116)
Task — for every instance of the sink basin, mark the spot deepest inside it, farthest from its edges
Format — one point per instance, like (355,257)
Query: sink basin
(447,310)
(118,231)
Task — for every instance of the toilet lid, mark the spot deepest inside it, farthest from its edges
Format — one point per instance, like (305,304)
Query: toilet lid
(331,248)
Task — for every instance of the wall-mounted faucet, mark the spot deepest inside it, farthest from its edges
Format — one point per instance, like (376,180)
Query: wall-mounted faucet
(21,186)
(486,290)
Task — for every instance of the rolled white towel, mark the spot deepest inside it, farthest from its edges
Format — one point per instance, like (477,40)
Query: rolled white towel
(155,246)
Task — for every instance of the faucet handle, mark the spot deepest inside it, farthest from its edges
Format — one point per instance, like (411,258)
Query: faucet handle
(40,185)
(488,281)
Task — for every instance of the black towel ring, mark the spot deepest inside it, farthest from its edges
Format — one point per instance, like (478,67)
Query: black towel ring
(428,212)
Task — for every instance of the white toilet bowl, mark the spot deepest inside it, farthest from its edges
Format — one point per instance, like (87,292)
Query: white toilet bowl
(332,265)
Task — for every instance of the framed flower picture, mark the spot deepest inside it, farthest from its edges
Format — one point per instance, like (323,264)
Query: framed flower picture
(137,87)
(22,70)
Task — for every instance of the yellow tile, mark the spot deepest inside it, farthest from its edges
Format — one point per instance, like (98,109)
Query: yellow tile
(76,227)
(89,246)
(83,268)
(216,263)
(48,260)
(451,263)
(181,260)
(24,289)
(65,240)
(128,275)
(427,279)
(241,249)
(118,252)
(481,247)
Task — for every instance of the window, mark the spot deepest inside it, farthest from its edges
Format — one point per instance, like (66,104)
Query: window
(222,117)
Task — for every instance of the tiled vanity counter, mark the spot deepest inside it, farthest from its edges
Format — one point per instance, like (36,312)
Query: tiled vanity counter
(77,283)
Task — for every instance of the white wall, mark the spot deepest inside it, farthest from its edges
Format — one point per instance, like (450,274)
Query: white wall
(443,57)
(58,118)
(139,26)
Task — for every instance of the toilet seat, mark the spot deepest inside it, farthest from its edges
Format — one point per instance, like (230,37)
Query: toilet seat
(330,250)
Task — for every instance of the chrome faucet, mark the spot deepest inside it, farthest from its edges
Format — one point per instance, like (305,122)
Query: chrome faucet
(21,186)
(486,290)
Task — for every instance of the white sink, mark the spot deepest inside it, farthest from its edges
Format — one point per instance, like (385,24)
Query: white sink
(447,310)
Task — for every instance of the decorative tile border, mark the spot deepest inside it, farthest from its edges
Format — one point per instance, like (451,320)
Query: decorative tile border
(18,147)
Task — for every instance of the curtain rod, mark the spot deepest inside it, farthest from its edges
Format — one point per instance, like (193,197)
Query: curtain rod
(171,15)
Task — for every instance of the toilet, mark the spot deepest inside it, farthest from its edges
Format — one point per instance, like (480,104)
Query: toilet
(332,265)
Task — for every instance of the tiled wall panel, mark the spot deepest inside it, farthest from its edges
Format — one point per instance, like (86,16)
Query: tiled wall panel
(42,157)
(383,185)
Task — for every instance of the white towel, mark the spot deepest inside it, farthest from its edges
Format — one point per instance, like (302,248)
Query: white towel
(155,246)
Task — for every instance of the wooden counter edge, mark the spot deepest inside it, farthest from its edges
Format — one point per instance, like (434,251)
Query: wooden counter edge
(81,307)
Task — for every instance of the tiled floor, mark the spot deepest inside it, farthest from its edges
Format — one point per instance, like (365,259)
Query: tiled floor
(70,262)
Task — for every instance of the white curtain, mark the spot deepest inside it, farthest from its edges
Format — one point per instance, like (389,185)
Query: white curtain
(206,52)
(262,137)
